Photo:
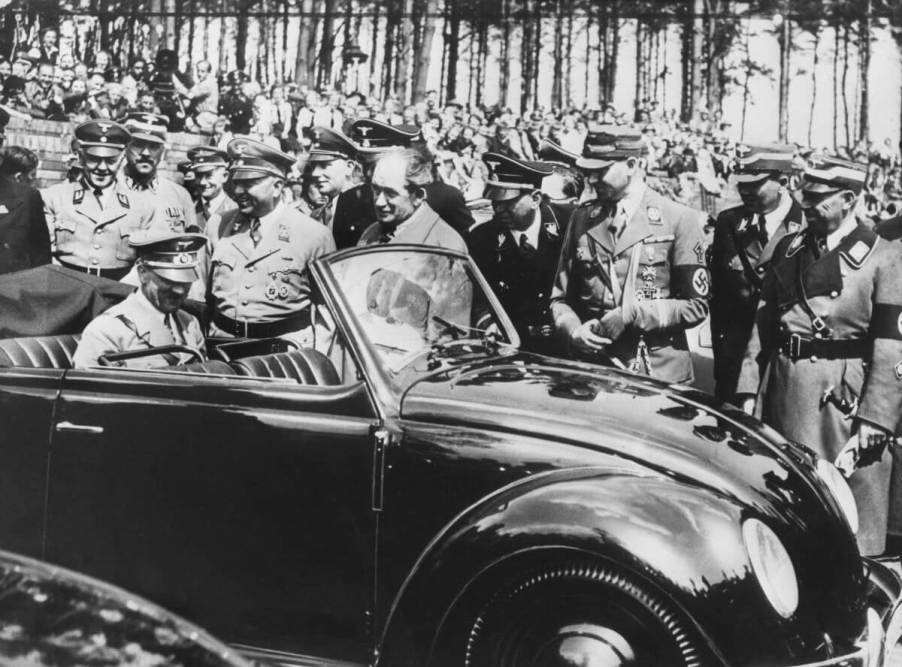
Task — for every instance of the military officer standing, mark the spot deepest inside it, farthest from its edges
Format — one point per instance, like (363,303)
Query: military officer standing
(92,218)
(518,249)
(173,207)
(259,286)
(632,275)
(151,316)
(235,105)
(825,358)
(744,241)
(563,188)
(209,167)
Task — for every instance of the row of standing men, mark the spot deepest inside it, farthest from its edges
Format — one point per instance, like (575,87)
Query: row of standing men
(805,299)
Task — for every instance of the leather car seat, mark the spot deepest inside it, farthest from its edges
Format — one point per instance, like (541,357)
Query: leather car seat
(306,366)
(213,366)
(39,351)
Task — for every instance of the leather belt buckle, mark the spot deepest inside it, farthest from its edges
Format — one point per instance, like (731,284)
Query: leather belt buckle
(795,347)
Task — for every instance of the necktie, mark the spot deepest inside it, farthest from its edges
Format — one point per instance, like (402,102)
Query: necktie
(527,249)
(386,236)
(177,337)
(255,231)
(762,230)
(820,245)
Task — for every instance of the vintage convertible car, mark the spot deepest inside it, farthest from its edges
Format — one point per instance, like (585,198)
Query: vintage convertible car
(415,490)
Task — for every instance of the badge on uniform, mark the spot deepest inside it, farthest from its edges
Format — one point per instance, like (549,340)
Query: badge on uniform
(649,254)
(654,215)
(795,245)
(583,254)
(793,226)
(649,290)
(699,250)
(501,238)
(595,211)
(743,224)
(701,282)
(123,200)
(283,233)
(78,196)
(3,209)
(898,370)
(859,251)
(551,229)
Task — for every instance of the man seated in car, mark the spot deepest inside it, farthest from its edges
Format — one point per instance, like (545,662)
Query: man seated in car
(151,317)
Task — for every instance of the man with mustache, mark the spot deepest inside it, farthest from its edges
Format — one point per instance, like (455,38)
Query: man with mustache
(150,316)
(632,276)
(259,285)
(173,208)
(745,238)
(92,218)
(209,168)
(825,359)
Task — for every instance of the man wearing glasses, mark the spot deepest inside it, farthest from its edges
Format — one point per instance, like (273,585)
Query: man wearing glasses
(825,358)
(517,250)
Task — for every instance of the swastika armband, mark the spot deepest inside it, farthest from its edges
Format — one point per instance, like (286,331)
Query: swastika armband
(887,321)
(691,281)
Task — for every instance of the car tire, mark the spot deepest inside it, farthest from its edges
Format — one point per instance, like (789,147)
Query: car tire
(578,614)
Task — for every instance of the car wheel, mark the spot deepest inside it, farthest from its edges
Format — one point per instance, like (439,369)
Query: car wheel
(588,615)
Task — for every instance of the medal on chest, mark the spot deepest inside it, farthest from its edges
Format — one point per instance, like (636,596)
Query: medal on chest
(277,286)
(648,290)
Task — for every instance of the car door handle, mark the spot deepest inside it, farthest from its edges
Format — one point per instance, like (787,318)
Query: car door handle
(69,427)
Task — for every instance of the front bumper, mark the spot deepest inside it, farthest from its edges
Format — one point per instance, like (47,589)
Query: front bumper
(884,621)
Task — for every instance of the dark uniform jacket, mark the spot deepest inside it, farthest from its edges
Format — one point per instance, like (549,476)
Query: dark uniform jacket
(738,261)
(667,294)
(24,237)
(522,280)
(856,290)
(449,203)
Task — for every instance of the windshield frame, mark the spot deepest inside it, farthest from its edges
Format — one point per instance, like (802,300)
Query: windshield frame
(389,387)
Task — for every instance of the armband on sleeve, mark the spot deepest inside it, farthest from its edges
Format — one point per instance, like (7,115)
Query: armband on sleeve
(887,321)
(691,281)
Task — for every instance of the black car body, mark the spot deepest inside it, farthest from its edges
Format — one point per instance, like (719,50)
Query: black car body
(417,491)
(53,617)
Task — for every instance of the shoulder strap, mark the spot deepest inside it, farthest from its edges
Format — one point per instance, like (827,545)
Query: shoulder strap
(744,259)
(817,322)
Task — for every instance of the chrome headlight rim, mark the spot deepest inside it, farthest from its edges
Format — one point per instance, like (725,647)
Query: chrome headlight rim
(772,567)
(839,488)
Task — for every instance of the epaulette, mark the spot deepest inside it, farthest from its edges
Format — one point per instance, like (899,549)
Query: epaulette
(78,195)
(859,251)
(798,240)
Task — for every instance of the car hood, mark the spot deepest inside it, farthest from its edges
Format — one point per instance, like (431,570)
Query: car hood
(672,430)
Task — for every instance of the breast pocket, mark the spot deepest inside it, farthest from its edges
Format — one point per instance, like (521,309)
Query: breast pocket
(64,234)
(287,282)
(124,252)
(655,254)
(222,274)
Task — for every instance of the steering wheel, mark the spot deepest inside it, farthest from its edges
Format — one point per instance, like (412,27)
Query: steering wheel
(110,359)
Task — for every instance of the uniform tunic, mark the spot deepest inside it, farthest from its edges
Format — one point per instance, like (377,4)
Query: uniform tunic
(267,282)
(666,295)
(738,261)
(24,239)
(856,288)
(522,279)
(423,227)
(136,324)
(92,231)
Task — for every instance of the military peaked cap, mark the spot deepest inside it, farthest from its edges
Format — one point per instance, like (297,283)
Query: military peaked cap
(510,177)
(103,138)
(755,163)
(606,144)
(832,174)
(373,135)
(207,158)
(552,152)
(171,255)
(250,158)
(147,126)
(329,144)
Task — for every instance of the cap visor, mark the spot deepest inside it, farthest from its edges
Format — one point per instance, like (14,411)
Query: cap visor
(493,193)
(204,168)
(103,150)
(239,173)
(752,177)
(147,136)
(187,274)
(816,187)
(592,164)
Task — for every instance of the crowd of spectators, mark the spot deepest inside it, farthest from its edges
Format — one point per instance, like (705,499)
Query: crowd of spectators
(39,81)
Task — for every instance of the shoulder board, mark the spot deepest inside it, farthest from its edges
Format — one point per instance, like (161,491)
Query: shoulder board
(123,200)
(659,239)
(744,222)
(78,196)
(798,240)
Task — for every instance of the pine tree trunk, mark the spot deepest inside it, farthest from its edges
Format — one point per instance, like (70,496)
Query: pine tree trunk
(568,56)
(374,52)
(785,42)
(526,39)
(558,75)
(814,66)
(615,49)
(403,52)
(241,35)
(836,86)
(424,51)
(327,45)
(588,33)
(603,54)
(453,43)
(637,96)
(745,83)
(505,52)
(864,49)
(537,52)
(845,79)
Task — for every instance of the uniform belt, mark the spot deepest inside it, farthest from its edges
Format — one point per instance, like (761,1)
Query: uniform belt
(117,273)
(244,329)
(797,347)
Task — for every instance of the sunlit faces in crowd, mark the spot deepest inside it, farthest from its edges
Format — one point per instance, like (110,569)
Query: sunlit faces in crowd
(763,195)
(144,155)
(825,211)
(397,185)
(167,295)
(256,195)
(611,183)
(100,169)
(332,177)
(210,182)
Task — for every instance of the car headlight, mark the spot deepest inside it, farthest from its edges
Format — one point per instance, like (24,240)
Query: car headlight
(772,567)
(841,492)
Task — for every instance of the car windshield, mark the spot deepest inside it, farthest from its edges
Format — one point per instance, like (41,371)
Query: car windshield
(413,302)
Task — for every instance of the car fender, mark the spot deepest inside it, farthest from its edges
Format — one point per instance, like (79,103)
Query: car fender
(654,526)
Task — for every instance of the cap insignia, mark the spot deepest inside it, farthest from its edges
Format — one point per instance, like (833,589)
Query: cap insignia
(104,127)
(898,369)
(182,258)
(551,229)
(654,213)
(595,211)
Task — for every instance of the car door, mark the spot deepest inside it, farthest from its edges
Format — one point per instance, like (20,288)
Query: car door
(243,504)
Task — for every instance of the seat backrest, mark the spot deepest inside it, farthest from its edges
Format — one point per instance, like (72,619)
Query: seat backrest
(306,366)
(39,351)
(210,367)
